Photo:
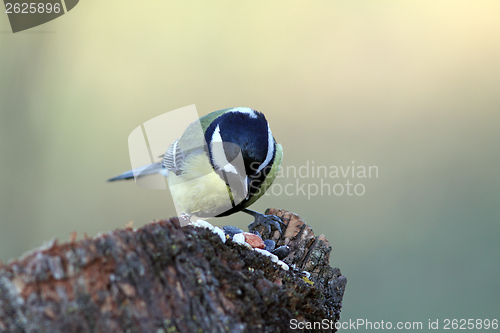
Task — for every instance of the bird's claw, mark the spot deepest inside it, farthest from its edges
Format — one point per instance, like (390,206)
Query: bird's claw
(267,221)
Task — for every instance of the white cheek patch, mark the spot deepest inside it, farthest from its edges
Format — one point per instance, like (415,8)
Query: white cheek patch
(218,154)
(270,150)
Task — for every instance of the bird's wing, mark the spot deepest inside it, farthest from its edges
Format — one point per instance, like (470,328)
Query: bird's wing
(173,158)
(191,142)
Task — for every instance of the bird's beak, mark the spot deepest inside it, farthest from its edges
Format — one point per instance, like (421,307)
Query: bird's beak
(246,187)
(228,157)
(239,186)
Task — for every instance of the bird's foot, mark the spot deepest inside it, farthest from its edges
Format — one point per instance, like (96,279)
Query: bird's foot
(267,221)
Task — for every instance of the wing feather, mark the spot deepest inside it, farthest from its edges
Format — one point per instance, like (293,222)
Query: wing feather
(173,158)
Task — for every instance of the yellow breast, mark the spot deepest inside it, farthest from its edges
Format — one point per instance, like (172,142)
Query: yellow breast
(199,190)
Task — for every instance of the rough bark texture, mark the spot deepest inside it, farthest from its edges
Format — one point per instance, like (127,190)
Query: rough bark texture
(167,278)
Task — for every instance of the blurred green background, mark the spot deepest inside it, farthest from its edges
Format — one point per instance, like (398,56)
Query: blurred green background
(410,87)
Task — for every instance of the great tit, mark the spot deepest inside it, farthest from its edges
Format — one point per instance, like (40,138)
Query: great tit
(221,164)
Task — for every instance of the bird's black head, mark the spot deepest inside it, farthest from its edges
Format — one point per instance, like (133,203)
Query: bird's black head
(241,132)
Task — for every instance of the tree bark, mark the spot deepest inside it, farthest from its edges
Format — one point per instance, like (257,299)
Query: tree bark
(167,278)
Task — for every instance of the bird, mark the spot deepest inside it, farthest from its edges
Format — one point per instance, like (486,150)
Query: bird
(220,165)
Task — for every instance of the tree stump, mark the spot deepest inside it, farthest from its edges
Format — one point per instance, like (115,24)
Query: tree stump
(167,278)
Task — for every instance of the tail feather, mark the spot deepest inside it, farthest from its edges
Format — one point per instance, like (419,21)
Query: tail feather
(140,172)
